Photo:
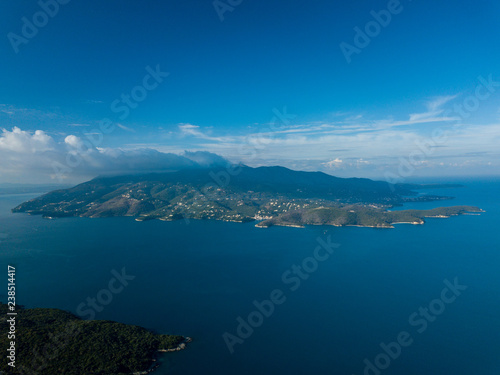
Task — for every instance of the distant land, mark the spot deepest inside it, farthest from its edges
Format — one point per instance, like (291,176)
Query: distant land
(269,195)
(28,189)
(52,341)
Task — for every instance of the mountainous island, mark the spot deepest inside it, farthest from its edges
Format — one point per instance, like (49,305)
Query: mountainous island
(52,341)
(268,195)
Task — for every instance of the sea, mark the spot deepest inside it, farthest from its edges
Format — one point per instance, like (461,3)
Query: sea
(413,300)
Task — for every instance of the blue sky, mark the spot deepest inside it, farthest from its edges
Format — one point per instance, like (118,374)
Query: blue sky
(257,82)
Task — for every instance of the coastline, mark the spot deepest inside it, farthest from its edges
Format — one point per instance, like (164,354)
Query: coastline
(302,222)
(155,365)
(181,346)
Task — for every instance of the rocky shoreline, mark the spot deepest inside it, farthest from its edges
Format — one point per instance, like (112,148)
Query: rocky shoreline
(181,346)
(154,367)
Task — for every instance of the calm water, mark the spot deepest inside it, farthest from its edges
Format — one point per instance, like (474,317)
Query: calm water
(195,279)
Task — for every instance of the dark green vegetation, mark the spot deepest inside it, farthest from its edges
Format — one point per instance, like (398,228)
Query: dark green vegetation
(362,216)
(237,194)
(51,341)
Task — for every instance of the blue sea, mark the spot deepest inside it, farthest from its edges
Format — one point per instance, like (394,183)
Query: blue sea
(378,289)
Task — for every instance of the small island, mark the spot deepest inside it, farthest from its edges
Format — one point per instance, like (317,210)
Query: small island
(52,341)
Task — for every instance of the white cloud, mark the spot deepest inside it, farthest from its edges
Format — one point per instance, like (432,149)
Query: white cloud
(194,130)
(333,164)
(37,157)
(349,164)
(434,109)
(205,158)
(437,102)
(73,141)
(349,145)
(20,141)
(368,145)
(125,128)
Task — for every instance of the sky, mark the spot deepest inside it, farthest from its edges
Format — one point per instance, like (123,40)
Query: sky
(390,90)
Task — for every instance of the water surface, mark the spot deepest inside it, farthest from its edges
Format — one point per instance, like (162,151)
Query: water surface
(196,278)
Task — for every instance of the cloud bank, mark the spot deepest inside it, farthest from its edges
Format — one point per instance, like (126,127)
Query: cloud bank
(347,145)
(38,157)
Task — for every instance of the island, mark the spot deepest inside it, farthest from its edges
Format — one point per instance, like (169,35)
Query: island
(52,341)
(268,195)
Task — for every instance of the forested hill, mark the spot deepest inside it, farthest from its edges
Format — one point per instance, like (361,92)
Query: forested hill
(52,341)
